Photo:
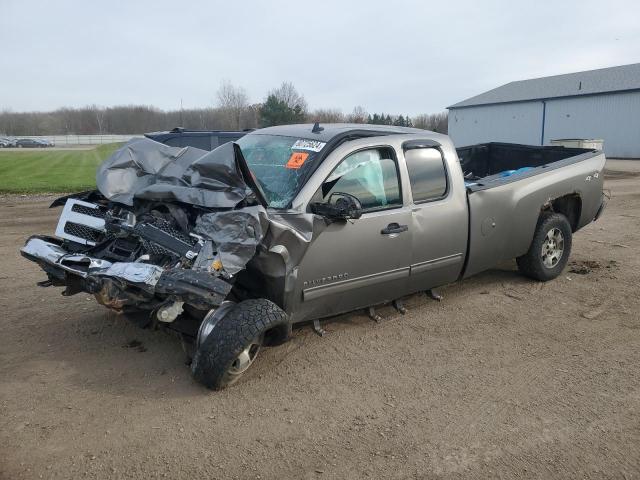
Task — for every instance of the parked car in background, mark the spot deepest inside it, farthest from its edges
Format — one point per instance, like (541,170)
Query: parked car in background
(33,143)
(7,142)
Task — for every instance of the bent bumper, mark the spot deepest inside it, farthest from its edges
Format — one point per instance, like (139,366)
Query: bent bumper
(120,285)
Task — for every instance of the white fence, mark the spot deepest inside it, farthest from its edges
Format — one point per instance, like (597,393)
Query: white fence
(66,140)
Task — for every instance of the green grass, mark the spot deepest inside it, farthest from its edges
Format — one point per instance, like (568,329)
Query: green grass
(39,171)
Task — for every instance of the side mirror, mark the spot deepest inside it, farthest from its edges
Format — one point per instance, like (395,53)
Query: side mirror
(339,206)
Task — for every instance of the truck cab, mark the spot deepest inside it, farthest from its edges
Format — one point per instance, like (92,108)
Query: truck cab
(413,227)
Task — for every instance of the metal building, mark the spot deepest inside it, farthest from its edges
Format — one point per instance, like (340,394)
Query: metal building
(600,104)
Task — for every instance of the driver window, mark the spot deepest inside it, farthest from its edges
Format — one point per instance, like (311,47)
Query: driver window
(369,175)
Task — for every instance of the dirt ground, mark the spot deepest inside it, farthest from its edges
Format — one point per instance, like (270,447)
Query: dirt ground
(507,378)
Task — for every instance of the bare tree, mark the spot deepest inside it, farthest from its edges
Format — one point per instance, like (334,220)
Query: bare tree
(288,94)
(100,117)
(326,115)
(437,122)
(233,101)
(233,112)
(251,116)
(359,115)
(7,121)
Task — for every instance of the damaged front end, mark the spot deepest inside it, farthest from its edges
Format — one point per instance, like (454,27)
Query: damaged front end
(130,264)
(167,230)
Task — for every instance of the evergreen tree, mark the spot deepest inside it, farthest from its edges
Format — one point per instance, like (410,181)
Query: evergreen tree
(277,112)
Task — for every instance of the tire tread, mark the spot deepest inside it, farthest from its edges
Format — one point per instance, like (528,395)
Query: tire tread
(530,264)
(239,327)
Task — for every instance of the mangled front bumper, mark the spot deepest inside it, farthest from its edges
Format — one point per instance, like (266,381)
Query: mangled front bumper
(124,285)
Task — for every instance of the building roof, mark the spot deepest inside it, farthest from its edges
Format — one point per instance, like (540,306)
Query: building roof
(603,80)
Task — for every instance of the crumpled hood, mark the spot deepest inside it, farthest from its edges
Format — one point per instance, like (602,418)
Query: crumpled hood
(219,180)
(147,170)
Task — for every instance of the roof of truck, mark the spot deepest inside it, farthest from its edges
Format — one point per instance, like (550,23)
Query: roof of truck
(331,130)
(591,82)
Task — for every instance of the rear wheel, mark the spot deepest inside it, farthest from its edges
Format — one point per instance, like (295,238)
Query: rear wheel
(549,250)
(235,341)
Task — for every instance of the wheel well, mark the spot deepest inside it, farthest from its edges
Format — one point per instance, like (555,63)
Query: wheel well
(277,335)
(568,205)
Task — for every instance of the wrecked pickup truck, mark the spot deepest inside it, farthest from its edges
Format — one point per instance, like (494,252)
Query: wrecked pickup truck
(296,223)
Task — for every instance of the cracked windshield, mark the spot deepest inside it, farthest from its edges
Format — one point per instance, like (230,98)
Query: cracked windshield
(278,164)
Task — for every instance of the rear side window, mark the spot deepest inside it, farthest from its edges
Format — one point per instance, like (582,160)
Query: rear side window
(427,174)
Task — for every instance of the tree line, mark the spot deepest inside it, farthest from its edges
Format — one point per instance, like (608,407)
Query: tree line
(233,111)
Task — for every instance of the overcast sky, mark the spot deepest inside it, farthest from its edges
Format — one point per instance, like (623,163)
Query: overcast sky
(394,56)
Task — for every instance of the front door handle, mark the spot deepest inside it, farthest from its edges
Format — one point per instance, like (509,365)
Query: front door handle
(394,228)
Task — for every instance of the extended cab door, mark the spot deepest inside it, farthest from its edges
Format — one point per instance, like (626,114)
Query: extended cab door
(356,263)
(439,215)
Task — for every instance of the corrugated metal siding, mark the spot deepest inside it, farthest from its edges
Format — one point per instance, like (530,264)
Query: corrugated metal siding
(510,122)
(615,118)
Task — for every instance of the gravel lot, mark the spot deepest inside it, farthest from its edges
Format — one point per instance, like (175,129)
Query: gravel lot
(507,378)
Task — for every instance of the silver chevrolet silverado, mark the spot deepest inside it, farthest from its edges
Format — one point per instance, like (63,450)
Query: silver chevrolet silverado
(291,224)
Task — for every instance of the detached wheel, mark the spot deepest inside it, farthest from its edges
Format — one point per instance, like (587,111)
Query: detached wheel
(550,248)
(232,345)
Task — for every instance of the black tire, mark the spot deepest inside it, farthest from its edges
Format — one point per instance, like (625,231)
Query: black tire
(245,325)
(532,264)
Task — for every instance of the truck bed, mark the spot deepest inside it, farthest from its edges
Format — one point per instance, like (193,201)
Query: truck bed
(488,165)
(507,187)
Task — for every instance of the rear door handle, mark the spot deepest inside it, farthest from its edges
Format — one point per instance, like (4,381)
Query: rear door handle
(394,228)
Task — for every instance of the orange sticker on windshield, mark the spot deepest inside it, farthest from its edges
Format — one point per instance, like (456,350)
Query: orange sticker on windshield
(296,160)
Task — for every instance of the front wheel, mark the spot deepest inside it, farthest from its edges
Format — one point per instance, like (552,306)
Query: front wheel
(233,344)
(549,250)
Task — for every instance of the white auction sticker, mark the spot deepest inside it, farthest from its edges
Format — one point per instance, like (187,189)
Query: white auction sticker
(311,145)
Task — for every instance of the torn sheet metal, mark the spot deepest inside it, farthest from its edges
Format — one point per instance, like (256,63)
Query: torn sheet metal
(41,249)
(139,273)
(147,170)
(111,280)
(235,233)
(196,288)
